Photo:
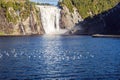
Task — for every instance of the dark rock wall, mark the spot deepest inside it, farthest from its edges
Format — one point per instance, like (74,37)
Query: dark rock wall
(107,22)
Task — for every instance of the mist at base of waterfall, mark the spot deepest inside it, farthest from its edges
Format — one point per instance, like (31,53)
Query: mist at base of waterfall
(60,32)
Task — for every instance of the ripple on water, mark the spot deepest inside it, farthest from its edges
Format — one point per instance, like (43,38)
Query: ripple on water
(59,59)
(64,55)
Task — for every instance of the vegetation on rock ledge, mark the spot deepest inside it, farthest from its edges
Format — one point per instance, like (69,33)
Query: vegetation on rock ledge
(13,9)
(89,7)
(16,12)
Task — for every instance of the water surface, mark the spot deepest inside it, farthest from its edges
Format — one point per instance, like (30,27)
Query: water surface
(59,58)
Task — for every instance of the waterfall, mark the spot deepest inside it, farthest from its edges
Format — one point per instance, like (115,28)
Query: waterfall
(22,28)
(50,17)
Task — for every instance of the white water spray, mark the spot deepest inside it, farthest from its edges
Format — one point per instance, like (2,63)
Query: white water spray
(50,17)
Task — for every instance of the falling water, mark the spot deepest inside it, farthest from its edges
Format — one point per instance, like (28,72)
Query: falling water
(22,28)
(50,16)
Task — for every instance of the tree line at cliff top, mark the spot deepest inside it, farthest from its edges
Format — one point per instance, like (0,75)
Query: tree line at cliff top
(89,7)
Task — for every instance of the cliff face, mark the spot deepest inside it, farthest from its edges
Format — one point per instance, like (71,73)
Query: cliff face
(69,19)
(103,23)
(89,7)
(31,25)
(99,17)
(19,18)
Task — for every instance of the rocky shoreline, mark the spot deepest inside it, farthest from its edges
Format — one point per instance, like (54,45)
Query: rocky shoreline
(105,36)
(20,35)
(94,35)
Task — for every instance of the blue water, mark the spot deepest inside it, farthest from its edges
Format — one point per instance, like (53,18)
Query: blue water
(59,58)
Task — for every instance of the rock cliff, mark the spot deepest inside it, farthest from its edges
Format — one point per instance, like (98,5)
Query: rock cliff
(19,18)
(106,23)
(69,19)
